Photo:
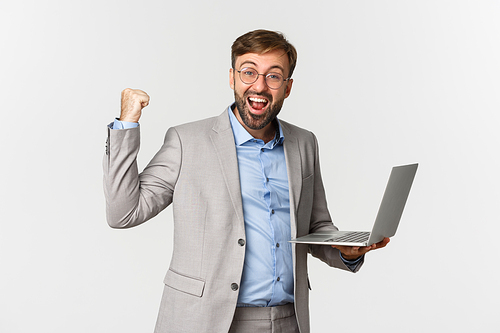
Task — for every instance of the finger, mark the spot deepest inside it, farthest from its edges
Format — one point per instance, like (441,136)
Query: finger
(135,94)
(383,243)
(144,97)
(378,245)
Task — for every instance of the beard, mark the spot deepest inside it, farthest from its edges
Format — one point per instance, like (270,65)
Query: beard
(253,121)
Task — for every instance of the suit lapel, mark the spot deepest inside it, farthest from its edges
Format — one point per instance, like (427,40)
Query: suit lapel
(223,141)
(294,169)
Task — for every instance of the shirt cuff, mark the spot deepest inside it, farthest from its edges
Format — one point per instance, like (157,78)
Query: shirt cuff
(352,264)
(117,124)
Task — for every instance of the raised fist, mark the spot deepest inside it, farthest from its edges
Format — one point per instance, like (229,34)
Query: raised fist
(133,101)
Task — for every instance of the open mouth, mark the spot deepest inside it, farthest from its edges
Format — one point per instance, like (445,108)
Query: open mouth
(258,104)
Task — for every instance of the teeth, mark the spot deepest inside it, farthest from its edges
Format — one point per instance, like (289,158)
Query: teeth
(259,100)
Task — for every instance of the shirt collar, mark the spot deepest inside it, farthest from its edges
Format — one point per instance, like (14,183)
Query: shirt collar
(241,135)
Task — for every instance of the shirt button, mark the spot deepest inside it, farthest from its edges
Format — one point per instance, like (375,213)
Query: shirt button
(241,241)
(262,149)
(277,244)
(278,278)
(272,211)
(234,286)
(267,179)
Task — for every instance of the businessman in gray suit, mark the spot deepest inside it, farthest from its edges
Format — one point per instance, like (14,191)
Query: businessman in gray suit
(242,184)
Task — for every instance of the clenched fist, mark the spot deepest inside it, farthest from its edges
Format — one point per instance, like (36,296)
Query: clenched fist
(133,101)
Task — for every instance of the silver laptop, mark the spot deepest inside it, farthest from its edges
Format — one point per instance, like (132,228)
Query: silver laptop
(386,223)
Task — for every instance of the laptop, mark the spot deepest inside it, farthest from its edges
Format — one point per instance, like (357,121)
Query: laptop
(387,221)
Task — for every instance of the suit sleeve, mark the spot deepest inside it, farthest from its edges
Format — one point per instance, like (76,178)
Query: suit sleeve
(321,221)
(133,198)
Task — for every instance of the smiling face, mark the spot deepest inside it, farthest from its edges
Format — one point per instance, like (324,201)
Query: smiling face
(257,105)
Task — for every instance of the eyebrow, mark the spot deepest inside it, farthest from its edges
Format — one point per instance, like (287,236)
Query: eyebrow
(253,63)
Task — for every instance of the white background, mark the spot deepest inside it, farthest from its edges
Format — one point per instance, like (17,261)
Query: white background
(380,83)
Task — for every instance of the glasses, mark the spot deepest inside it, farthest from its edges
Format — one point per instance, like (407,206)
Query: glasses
(273,80)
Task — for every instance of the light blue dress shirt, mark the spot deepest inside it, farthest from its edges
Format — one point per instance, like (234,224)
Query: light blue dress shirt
(267,278)
(117,124)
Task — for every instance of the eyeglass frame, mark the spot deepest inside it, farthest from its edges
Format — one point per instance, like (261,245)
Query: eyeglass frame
(257,77)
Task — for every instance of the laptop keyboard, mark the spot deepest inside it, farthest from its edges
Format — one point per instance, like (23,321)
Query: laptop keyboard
(353,237)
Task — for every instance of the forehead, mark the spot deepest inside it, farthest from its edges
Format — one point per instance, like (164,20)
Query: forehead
(276,59)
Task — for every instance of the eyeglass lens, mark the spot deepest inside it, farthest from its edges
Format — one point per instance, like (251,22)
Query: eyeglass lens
(250,75)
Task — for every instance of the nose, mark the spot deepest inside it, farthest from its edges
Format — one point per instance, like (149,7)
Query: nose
(260,84)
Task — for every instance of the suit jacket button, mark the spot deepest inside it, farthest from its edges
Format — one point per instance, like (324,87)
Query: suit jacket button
(234,286)
(241,241)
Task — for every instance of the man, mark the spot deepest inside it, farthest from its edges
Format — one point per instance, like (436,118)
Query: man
(242,185)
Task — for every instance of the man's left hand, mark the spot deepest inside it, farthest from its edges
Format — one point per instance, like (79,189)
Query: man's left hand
(354,252)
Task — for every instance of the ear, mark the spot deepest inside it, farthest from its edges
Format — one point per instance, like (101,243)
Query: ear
(231,78)
(288,88)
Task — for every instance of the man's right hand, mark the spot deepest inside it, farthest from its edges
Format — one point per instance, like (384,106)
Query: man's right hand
(133,101)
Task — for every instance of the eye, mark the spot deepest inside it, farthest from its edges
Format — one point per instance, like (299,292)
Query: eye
(248,72)
(274,76)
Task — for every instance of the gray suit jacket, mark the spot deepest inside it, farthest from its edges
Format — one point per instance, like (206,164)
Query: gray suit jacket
(197,170)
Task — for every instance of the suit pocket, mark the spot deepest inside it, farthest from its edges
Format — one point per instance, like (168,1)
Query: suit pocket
(184,283)
(305,204)
(308,184)
(306,179)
